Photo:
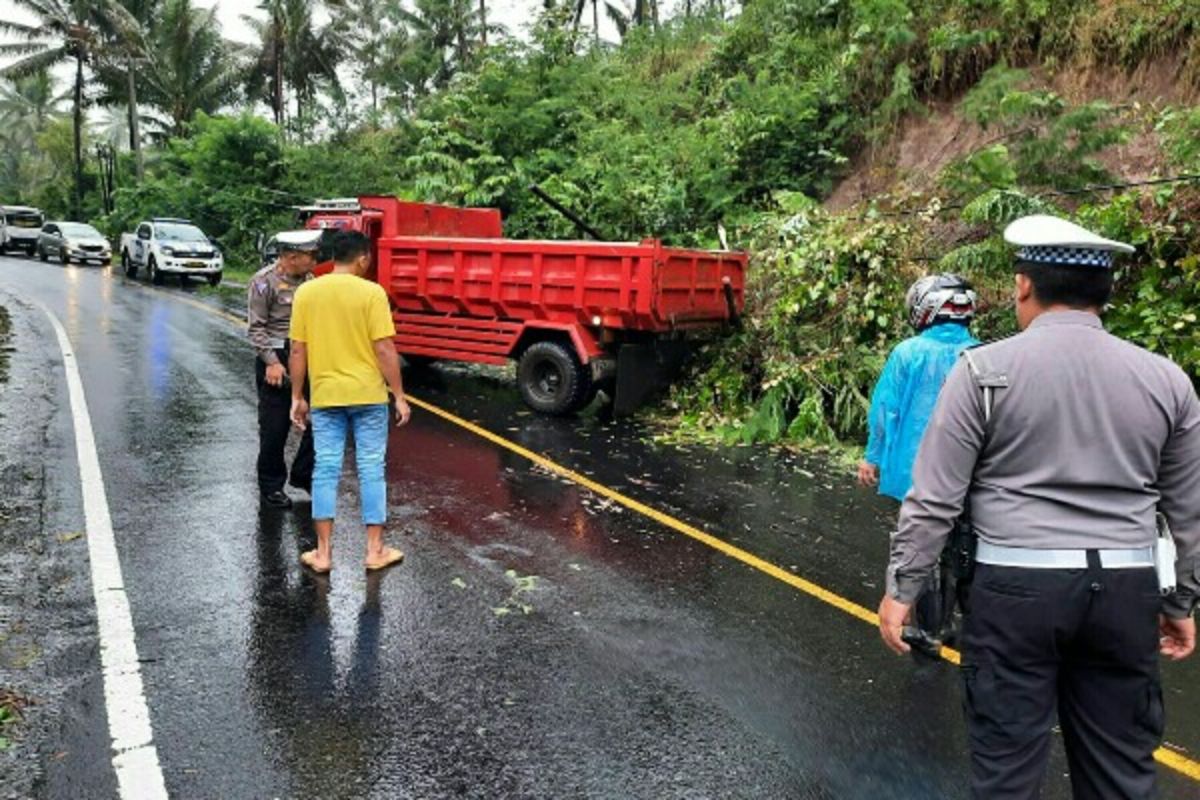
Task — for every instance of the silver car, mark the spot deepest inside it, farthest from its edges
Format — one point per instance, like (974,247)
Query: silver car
(73,241)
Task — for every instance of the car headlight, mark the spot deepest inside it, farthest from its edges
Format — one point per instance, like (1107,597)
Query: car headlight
(167,251)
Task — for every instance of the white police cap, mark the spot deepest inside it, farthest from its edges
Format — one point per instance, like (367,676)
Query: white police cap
(304,240)
(1043,239)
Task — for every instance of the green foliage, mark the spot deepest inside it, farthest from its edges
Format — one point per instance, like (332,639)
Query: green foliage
(985,170)
(1158,290)
(823,300)
(999,207)
(1179,130)
(220,178)
(998,100)
(1046,142)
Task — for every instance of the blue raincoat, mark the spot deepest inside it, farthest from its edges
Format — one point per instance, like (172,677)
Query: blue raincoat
(903,401)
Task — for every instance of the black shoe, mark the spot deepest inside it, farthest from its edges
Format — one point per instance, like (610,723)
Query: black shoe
(277,499)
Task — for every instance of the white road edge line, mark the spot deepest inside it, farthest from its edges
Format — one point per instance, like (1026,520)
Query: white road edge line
(135,758)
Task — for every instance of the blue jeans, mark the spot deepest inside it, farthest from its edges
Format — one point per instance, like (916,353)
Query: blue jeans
(370,426)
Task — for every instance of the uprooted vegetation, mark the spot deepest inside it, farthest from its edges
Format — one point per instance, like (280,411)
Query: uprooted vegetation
(973,130)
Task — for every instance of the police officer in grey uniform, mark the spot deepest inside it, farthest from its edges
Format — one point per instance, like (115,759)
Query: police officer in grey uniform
(269,314)
(1062,442)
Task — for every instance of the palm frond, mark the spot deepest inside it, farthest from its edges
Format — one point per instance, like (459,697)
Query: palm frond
(23,48)
(620,18)
(21,29)
(35,63)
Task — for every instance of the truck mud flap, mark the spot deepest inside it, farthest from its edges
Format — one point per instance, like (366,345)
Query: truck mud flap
(644,370)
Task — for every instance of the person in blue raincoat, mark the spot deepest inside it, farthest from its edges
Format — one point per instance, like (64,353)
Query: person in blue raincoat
(940,308)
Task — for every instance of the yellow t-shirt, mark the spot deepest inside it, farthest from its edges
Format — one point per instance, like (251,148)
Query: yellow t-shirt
(339,317)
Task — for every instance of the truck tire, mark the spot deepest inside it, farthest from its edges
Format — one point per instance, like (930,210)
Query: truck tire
(156,277)
(419,362)
(551,379)
(214,280)
(127,265)
(43,256)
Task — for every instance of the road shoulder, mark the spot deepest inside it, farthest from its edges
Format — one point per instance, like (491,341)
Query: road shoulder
(49,667)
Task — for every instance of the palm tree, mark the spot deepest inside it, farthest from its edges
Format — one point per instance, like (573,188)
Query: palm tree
(624,16)
(364,26)
(28,103)
(293,53)
(444,30)
(132,22)
(265,78)
(66,30)
(189,67)
(28,106)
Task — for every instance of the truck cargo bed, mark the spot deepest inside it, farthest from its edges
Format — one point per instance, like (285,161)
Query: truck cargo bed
(641,286)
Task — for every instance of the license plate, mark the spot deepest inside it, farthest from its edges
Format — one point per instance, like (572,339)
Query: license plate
(196,265)
(95,261)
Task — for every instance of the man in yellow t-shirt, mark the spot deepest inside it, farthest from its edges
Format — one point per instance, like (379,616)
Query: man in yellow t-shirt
(341,334)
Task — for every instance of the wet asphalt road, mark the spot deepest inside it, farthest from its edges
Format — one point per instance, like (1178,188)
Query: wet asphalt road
(538,641)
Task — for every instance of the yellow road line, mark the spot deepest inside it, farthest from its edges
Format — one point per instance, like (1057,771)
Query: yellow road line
(225,315)
(1178,762)
(1169,758)
(808,587)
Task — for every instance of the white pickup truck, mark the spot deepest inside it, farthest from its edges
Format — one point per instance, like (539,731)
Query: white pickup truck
(166,246)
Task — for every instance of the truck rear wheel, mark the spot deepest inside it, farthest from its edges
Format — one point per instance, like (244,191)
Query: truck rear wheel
(551,379)
(128,265)
(419,362)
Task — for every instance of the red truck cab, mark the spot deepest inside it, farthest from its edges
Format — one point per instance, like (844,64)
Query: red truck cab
(575,316)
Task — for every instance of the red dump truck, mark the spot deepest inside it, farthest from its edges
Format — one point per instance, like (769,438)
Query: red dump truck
(575,316)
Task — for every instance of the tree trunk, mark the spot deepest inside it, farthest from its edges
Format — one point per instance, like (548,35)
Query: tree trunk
(596,20)
(135,132)
(483,22)
(279,96)
(77,208)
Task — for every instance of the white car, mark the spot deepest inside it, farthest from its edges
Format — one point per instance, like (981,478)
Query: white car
(73,241)
(19,228)
(166,246)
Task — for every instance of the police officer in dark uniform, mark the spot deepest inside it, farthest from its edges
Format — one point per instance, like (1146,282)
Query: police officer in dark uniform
(269,314)
(1063,443)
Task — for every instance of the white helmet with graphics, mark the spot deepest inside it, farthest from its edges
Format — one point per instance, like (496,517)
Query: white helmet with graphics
(940,298)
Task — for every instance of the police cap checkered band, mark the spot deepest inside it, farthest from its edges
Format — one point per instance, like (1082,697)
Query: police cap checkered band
(1067,256)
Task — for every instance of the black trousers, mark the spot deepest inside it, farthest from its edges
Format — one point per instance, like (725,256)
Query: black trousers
(1084,641)
(274,423)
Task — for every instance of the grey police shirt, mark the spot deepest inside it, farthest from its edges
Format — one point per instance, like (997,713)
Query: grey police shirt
(269,310)
(1090,437)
